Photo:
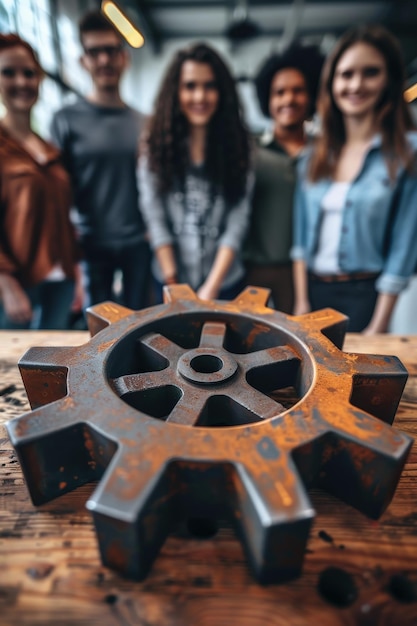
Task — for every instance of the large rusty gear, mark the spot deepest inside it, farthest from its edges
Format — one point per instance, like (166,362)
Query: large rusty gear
(224,410)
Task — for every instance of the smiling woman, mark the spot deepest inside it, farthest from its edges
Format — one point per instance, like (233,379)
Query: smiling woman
(37,244)
(194,177)
(360,80)
(20,76)
(355,219)
(198,94)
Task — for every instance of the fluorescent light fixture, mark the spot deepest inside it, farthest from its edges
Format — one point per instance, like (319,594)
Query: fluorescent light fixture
(120,21)
(410,94)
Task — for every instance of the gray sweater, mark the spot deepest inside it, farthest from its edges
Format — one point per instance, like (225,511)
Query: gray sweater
(100,147)
(196,222)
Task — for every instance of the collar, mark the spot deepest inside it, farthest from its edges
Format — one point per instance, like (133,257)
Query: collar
(51,152)
(267,138)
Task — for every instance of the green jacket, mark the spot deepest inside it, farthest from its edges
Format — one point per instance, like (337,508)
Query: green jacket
(270,233)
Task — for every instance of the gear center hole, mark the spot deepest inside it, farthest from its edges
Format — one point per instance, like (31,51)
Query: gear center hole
(206,363)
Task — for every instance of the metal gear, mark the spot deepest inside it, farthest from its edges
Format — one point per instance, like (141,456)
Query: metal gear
(210,409)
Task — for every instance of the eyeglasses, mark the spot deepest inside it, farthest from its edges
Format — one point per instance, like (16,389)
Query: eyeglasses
(10,72)
(111,51)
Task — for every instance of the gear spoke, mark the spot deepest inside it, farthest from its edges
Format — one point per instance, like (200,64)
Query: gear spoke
(212,335)
(271,369)
(132,383)
(256,402)
(269,356)
(162,346)
(188,410)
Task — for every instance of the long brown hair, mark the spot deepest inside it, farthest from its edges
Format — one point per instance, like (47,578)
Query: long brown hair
(227,147)
(393,115)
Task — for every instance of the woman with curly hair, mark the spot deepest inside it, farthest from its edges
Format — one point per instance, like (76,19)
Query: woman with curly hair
(194,177)
(356,201)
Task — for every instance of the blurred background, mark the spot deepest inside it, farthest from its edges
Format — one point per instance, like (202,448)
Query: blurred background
(244,32)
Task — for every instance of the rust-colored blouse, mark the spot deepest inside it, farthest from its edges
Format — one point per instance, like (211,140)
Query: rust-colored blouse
(35,229)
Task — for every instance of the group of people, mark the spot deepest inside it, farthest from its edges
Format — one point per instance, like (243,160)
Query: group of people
(323,219)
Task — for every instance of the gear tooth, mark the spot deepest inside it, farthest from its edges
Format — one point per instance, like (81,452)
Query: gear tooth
(45,441)
(44,374)
(364,475)
(275,516)
(172,293)
(331,323)
(100,316)
(378,384)
(45,356)
(252,297)
(133,516)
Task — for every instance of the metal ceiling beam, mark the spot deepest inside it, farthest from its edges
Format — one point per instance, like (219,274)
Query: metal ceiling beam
(155,5)
(273,32)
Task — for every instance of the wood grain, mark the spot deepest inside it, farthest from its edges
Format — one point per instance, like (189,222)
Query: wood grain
(51,572)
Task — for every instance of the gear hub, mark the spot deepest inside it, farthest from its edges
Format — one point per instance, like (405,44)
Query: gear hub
(210,409)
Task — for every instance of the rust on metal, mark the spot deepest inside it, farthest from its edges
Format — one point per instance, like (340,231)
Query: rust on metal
(197,409)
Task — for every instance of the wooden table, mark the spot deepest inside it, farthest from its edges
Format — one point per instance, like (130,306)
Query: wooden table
(50,570)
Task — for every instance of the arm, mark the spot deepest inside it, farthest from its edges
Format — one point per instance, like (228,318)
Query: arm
(302,303)
(16,303)
(152,207)
(154,215)
(230,243)
(221,265)
(401,256)
(166,260)
(77,302)
(382,314)
(401,259)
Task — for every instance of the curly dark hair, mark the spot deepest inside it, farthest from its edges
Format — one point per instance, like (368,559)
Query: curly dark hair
(307,59)
(227,156)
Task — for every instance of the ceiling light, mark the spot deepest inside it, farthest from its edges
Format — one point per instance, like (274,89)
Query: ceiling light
(120,21)
(410,94)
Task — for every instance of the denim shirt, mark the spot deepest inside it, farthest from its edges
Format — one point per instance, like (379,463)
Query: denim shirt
(379,223)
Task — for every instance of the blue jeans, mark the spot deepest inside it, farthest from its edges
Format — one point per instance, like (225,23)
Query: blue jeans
(99,267)
(51,302)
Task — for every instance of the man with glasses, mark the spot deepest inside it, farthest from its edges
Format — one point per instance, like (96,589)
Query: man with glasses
(99,137)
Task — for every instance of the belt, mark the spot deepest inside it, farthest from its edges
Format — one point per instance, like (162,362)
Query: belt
(343,278)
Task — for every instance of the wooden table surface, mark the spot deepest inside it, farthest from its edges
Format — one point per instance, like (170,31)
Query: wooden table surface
(50,570)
